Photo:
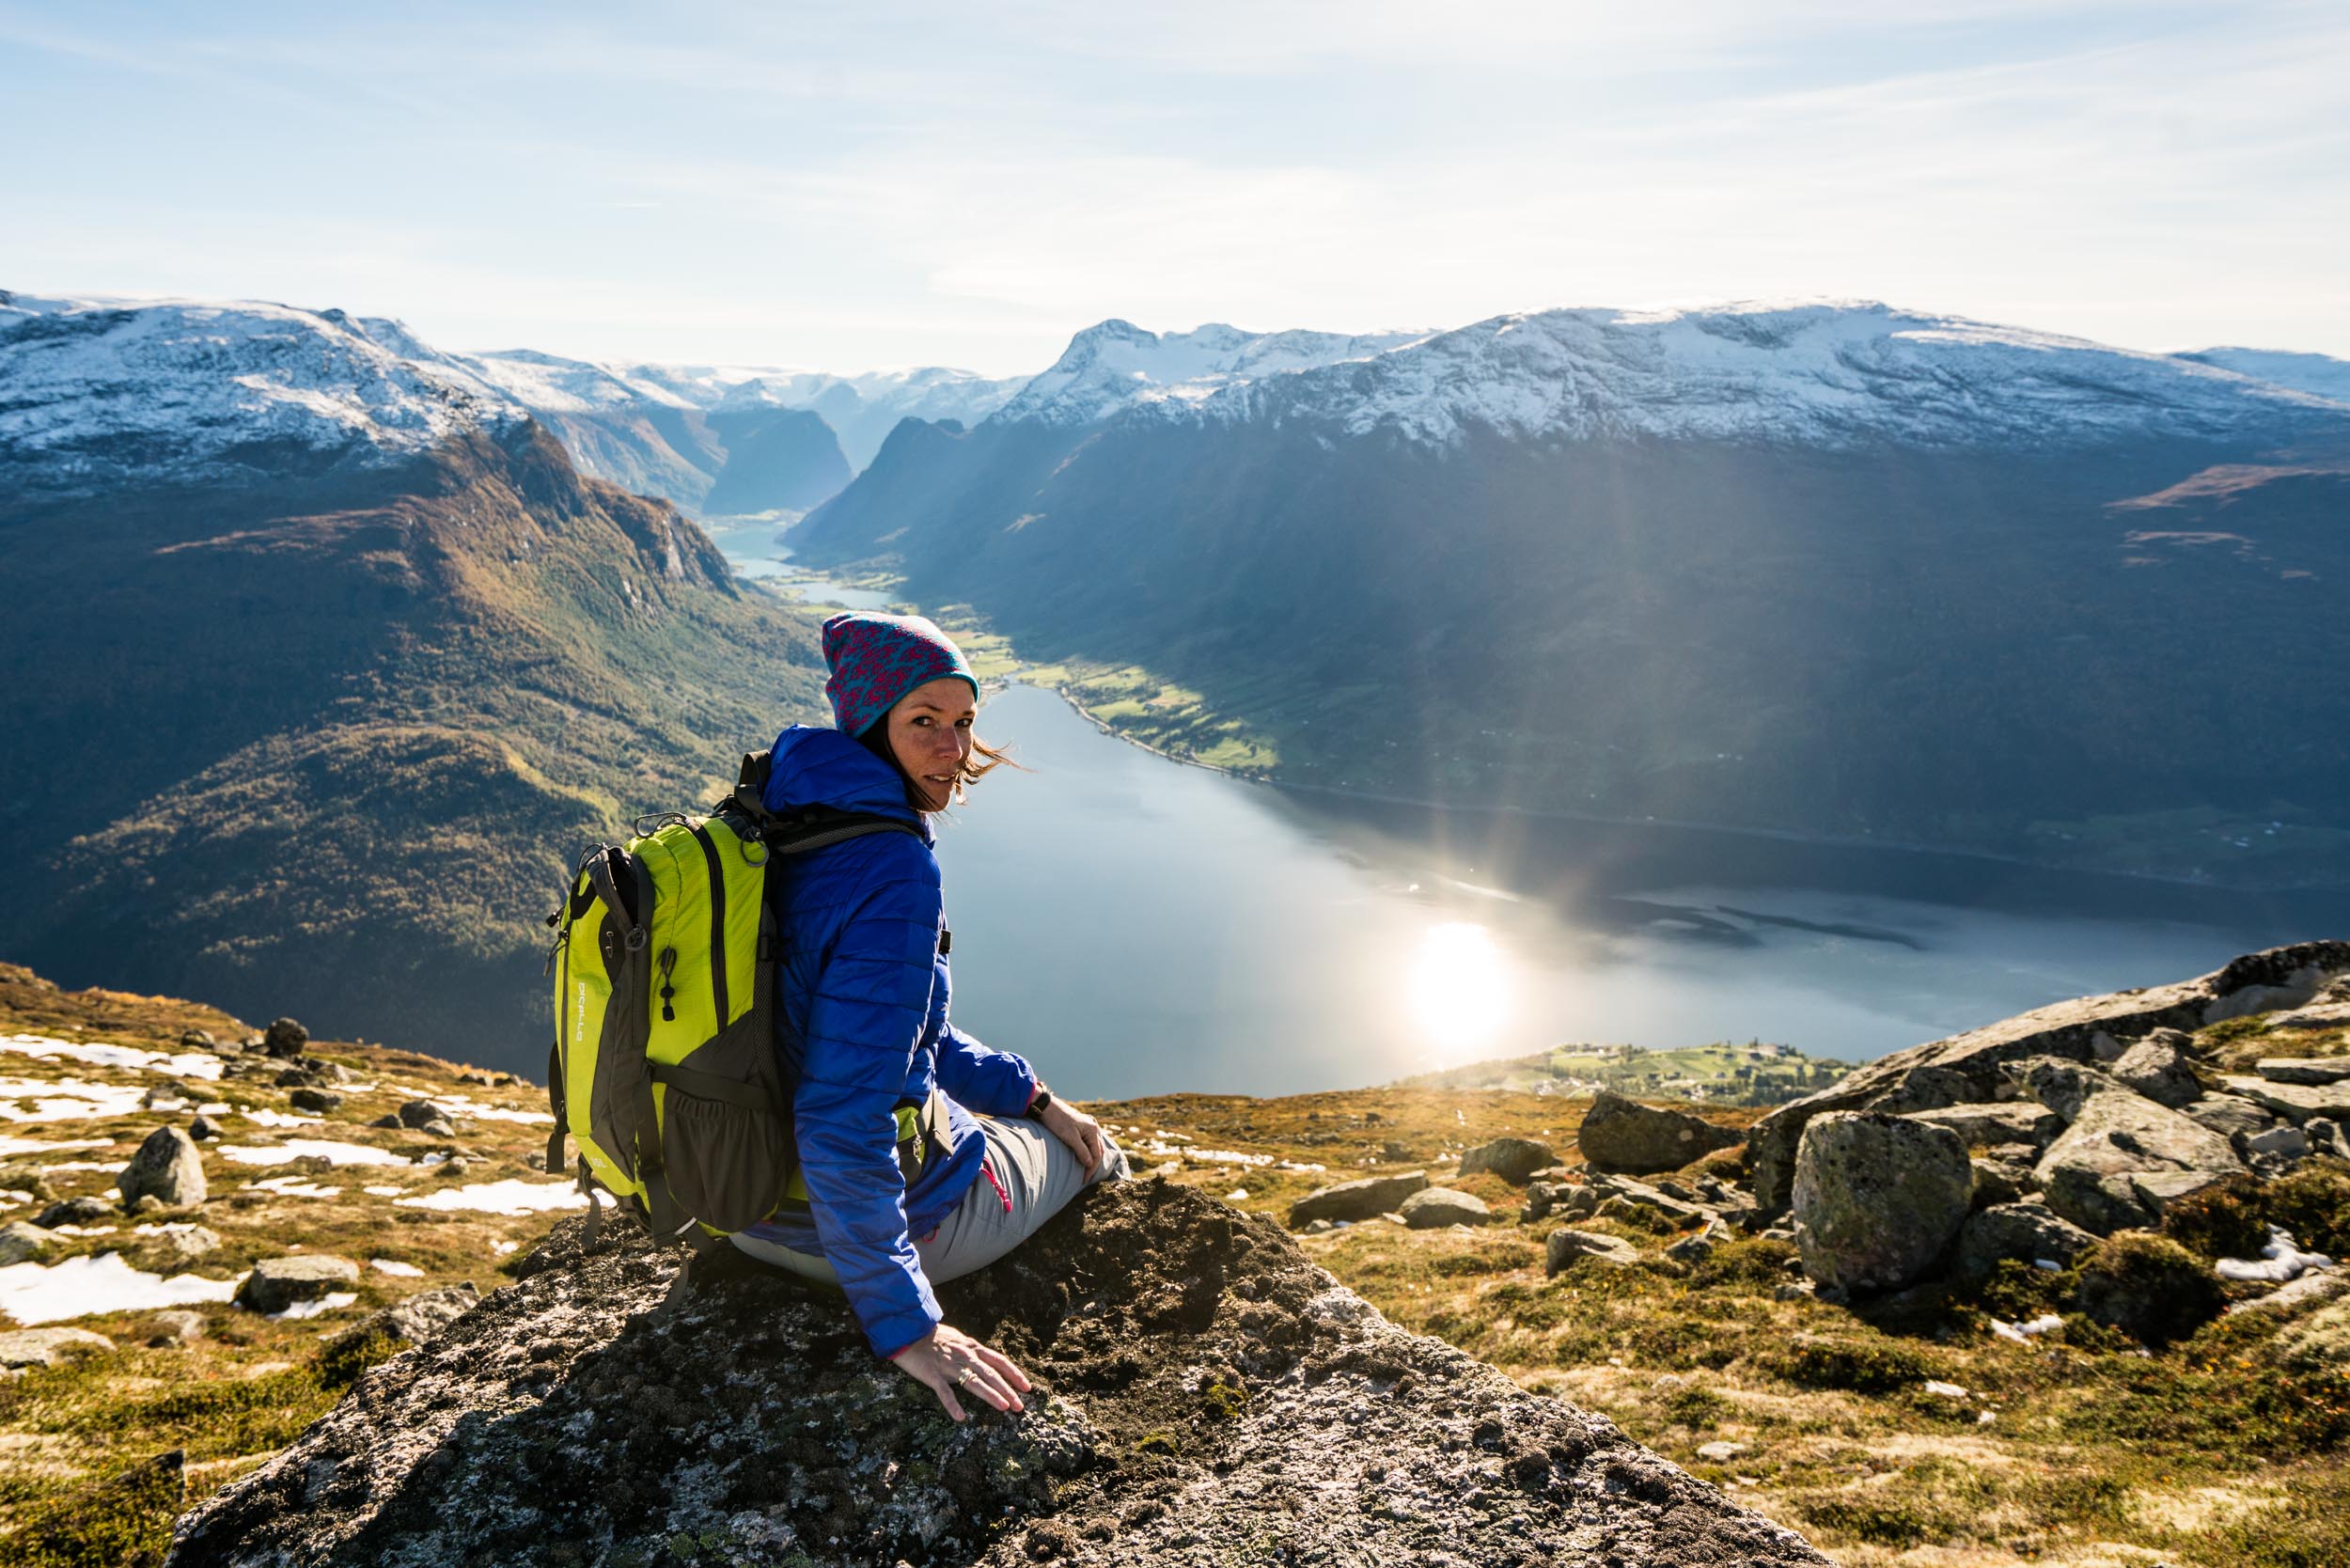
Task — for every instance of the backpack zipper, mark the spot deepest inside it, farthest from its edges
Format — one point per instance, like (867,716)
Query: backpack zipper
(668,963)
(717,919)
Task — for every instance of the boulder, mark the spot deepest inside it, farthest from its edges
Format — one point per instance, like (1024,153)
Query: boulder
(284,1038)
(417,1113)
(1513,1159)
(46,1347)
(2033,1233)
(2161,1071)
(1640,1195)
(20,1241)
(1564,1247)
(203,1127)
(185,1246)
(1201,1390)
(2125,1159)
(2313,1071)
(197,1039)
(74,1211)
(1620,1135)
(1876,1197)
(278,1283)
(28,1180)
(390,1121)
(1433,1208)
(1697,1249)
(168,1166)
(1366,1198)
(438,1127)
(1919,1078)
(2006,1121)
(319,1099)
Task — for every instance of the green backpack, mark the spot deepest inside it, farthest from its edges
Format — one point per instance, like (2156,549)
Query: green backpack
(664,1066)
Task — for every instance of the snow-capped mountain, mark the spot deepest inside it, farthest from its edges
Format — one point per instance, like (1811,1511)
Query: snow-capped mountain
(98,393)
(1116,366)
(1817,568)
(1814,374)
(2320,375)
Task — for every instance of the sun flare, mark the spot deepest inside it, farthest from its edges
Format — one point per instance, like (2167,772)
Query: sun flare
(1460,989)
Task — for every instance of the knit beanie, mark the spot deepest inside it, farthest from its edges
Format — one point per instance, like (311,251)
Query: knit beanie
(877,659)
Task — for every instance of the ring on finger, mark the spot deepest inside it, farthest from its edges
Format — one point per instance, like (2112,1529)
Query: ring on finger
(963,1377)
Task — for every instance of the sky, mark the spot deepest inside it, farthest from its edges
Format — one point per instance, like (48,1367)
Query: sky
(862,186)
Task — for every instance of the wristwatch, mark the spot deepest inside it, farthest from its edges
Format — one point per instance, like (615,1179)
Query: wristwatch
(1038,1102)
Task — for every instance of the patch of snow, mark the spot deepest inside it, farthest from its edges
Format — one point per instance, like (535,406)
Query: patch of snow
(333,1301)
(2023,1333)
(1944,1390)
(458,1104)
(264,1117)
(296,1148)
(84,1230)
(65,1099)
(1117,364)
(81,1164)
(512,1195)
(10,1146)
(382,1192)
(2320,375)
(2281,1261)
(394,1267)
(35,1293)
(98,1053)
(503,1248)
(291,1186)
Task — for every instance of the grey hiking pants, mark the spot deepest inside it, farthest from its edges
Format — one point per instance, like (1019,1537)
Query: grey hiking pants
(1026,1178)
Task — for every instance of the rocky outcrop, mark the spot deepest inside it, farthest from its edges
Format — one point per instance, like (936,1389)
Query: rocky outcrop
(1623,1135)
(166,1164)
(1877,1197)
(1200,1390)
(2160,1068)
(1367,1198)
(2125,1159)
(1967,1068)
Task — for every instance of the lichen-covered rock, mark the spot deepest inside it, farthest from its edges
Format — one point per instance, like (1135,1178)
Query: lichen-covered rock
(1877,1197)
(2030,1232)
(168,1166)
(1434,1208)
(2311,1070)
(1513,1159)
(1200,1389)
(2124,1160)
(1623,1135)
(278,1283)
(420,1114)
(2002,1123)
(2160,1070)
(285,1037)
(2296,1101)
(84,1210)
(20,1241)
(1366,1198)
(1919,1078)
(2231,1116)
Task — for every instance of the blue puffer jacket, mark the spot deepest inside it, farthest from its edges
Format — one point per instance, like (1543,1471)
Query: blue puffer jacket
(861,1020)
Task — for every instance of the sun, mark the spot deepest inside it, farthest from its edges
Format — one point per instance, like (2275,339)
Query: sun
(1459,989)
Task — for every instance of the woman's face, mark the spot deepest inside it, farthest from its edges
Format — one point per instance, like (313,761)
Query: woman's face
(929,735)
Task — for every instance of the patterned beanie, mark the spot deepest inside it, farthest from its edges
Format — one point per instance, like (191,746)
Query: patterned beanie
(877,659)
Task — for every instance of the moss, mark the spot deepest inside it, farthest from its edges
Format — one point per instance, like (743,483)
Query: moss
(1159,1442)
(2314,1204)
(1754,1260)
(2149,1287)
(1875,1366)
(2228,1220)
(122,1520)
(1223,1401)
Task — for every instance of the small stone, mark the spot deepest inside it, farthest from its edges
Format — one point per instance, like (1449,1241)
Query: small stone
(148,1203)
(20,1241)
(284,1038)
(1431,1208)
(176,1327)
(1720,1454)
(203,1128)
(278,1283)
(319,1099)
(198,1039)
(438,1127)
(187,1246)
(74,1211)
(387,1121)
(416,1113)
(47,1347)
(1317,1227)
(1564,1247)
(2316,1072)
(1697,1249)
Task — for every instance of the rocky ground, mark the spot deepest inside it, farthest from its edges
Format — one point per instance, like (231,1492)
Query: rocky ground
(2000,1392)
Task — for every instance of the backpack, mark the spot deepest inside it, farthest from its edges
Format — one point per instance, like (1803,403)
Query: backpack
(664,1067)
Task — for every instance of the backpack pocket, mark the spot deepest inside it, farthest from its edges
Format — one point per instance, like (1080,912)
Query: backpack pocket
(726,1131)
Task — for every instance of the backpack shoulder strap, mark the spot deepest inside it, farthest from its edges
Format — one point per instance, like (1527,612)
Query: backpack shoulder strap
(814,828)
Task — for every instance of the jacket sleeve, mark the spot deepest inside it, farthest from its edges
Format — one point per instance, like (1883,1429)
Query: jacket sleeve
(864,1019)
(994,1083)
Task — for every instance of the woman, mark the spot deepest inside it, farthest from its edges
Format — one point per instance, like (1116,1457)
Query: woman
(904,1185)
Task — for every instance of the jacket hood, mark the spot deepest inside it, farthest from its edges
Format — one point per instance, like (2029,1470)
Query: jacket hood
(814,766)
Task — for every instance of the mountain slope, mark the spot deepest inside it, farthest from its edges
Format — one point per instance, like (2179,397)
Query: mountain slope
(323,713)
(1829,569)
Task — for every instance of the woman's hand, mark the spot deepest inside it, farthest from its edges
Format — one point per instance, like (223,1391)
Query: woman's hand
(1079,1131)
(951,1360)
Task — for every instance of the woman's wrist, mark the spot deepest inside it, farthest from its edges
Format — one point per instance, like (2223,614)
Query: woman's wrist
(1039,1101)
